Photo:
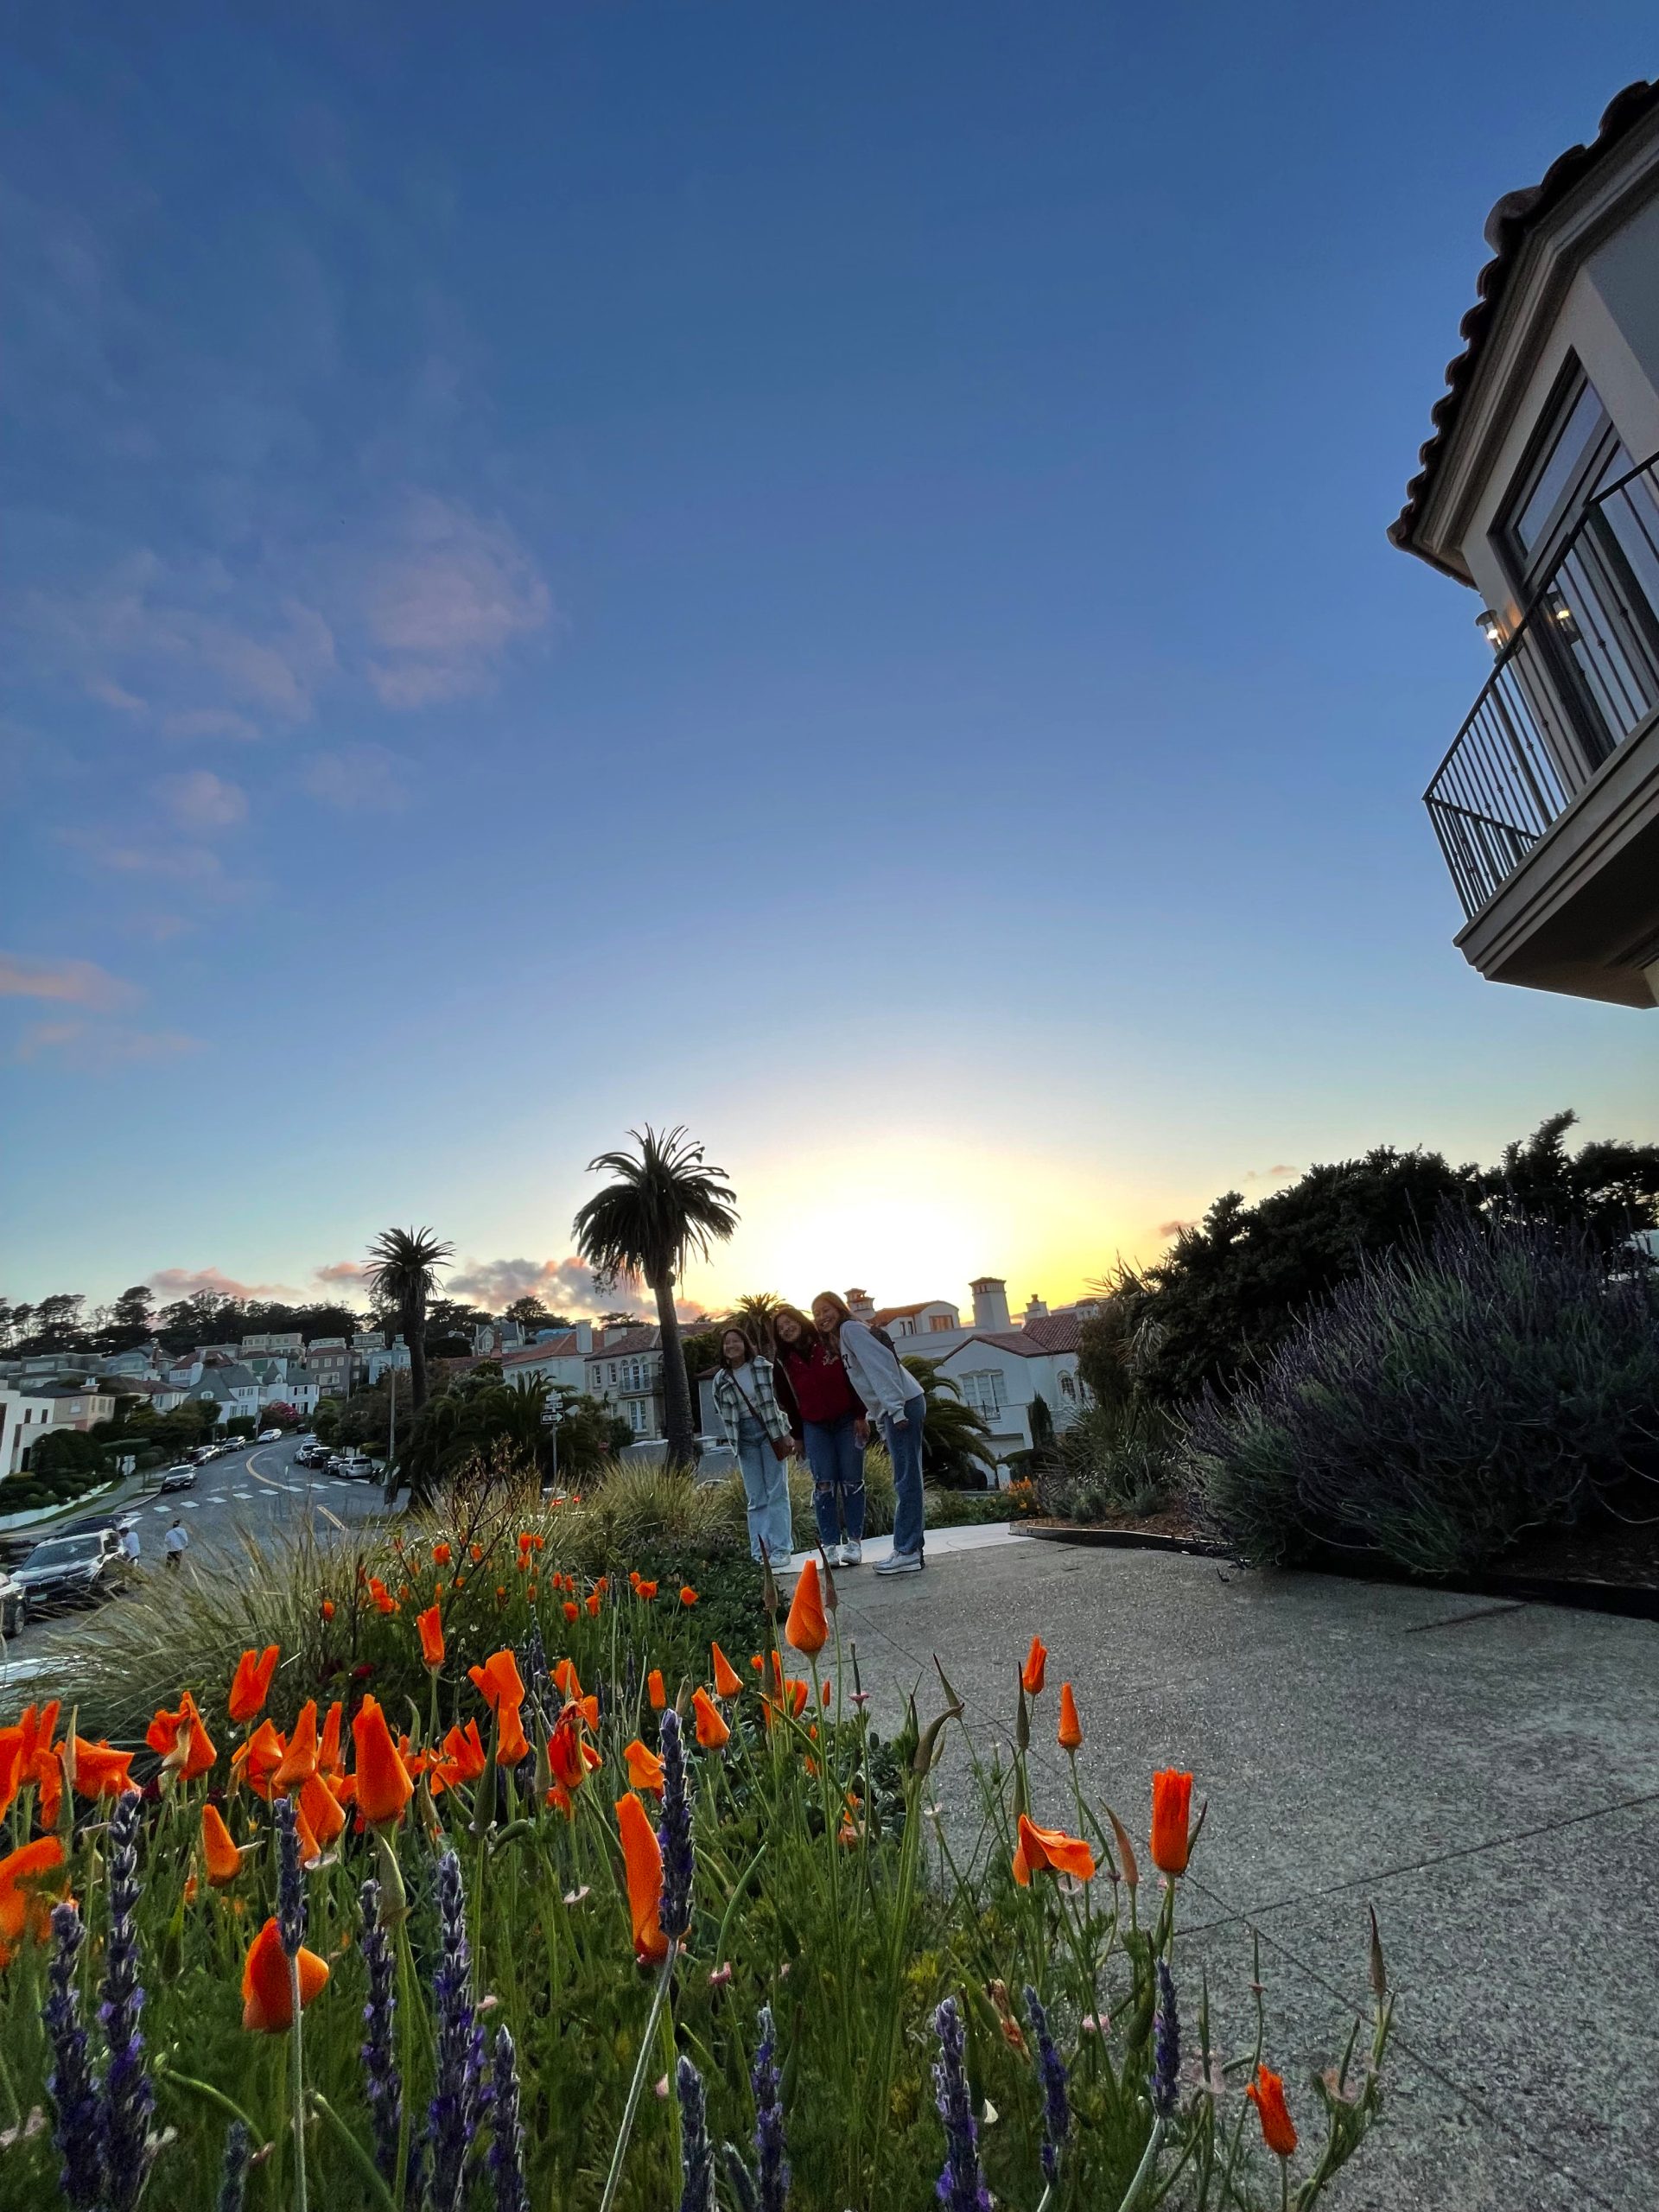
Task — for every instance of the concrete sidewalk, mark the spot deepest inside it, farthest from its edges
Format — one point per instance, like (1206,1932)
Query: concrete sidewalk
(1486,1774)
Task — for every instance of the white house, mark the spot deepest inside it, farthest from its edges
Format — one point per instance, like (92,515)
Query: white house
(1001,1372)
(557,1358)
(1539,491)
(624,1371)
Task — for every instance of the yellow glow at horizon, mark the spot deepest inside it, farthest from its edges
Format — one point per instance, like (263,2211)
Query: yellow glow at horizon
(907,1221)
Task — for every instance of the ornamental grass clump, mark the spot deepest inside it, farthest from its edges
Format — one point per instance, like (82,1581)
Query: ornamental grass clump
(529,1935)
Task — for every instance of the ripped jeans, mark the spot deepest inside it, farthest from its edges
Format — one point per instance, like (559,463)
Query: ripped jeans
(837,1464)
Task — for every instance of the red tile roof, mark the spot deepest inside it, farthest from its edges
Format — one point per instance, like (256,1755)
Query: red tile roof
(563,1346)
(1508,228)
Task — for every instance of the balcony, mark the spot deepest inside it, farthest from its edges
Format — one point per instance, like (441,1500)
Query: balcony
(1546,807)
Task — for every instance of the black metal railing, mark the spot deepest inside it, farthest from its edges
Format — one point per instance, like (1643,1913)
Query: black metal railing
(1580,675)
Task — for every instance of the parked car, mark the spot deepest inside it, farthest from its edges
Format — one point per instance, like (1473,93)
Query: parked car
(311,1455)
(270,1436)
(13,1604)
(352,1466)
(179,1478)
(76,1570)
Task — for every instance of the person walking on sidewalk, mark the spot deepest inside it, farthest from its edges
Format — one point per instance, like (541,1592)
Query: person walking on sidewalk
(827,1415)
(889,1390)
(747,1401)
(174,1541)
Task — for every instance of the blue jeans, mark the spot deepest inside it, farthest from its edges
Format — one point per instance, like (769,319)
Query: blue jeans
(766,1488)
(905,1446)
(837,1464)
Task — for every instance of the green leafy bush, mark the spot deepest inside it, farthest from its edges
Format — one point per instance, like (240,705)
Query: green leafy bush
(1445,1400)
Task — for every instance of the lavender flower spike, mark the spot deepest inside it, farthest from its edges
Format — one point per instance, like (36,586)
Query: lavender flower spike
(290,1878)
(1165,2047)
(383,2084)
(70,2082)
(506,2134)
(675,1833)
(1050,2075)
(962,2185)
(452,2114)
(233,2174)
(696,2152)
(772,2168)
(129,2094)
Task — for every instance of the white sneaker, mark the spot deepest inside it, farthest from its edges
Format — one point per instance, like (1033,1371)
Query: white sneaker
(901,1563)
(852,1553)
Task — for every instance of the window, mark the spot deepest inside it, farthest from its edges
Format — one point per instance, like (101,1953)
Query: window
(1069,1386)
(1575,453)
(983,1391)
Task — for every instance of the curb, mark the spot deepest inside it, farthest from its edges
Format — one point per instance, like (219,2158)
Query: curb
(1628,1600)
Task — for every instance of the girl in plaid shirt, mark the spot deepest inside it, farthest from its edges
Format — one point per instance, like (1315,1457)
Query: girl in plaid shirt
(747,1403)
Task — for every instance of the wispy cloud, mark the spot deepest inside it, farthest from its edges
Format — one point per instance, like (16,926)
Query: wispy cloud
(1174,1228)
(71,983)
(171,1283)
(343,1272)
(1275,1174)
(359,779)
(101,1048)
(201,801)
(566,1285)
(449,594)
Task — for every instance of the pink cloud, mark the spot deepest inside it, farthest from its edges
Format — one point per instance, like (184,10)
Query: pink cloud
(343,1271)
(1174,1228)
(566,1285)
(448,596)
(171,1283)
(74,982)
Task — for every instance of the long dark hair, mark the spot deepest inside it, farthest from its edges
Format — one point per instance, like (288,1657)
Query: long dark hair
(809,1340)
(731,1329)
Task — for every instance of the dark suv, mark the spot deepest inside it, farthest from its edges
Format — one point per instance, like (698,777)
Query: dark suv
(71,1570)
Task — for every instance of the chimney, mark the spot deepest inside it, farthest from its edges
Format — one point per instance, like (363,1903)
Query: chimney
(861,1304)
(584,1337)
(1035,1310)
(990,1302)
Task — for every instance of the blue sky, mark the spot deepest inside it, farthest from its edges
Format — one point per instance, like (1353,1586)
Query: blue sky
(817,572)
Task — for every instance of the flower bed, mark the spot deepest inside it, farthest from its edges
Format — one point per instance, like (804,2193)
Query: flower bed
(601,1928)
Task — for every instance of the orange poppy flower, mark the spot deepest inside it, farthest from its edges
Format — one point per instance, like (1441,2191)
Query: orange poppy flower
(566,1680)
(267,1997)
(712,1731)
(644,1767)
(477,1553)
(499,1680)
(823,1695)
(187,1749)
(463,1758)
(512,1743)
(728,1681)
(440,1554)
(251,1684)
(383,1784)
(328,1757)
(319,1809)
(259,1758)
(646,1589)
(299,1760)
(757,1662)
(1052,1849)
(430,1625)
(592,1602)
(538,1540)
(806,1627)
(1267,2094)
(572,1610)
(688,1595)
(642,1860)
(525,1540)
(654,1689)
(1172,1803)
(1032,1674)
(100,1772)
(1069,1734)
(570,1759)
(326,1609)
(218,1852)
(11,1761)
(22,1875)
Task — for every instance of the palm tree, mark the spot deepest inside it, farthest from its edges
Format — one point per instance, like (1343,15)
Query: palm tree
(403,1273)
(955,1436)
(663,1208)
(752,1314)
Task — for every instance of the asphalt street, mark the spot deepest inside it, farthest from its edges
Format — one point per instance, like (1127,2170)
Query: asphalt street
(258,1491)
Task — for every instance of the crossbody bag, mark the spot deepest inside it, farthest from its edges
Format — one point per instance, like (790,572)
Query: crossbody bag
(779,1450)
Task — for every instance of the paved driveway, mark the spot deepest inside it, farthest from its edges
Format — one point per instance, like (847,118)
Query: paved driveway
(1487,1775)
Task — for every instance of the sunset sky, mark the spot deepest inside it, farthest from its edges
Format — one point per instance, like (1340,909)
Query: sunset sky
(816,572)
